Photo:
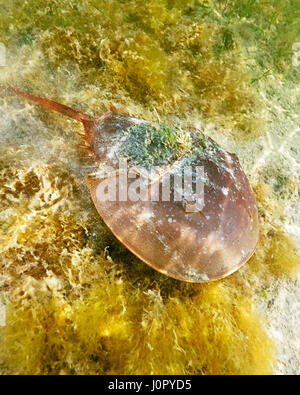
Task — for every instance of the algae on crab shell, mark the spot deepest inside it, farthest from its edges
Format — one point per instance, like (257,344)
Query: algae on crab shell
(148,144)
(153,144)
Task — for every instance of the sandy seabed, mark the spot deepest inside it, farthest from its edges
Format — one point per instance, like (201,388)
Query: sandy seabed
(72,299)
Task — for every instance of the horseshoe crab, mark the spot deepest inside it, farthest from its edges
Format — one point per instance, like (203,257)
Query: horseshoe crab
(201,236)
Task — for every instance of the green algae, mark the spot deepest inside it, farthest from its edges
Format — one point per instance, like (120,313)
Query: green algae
(152,145)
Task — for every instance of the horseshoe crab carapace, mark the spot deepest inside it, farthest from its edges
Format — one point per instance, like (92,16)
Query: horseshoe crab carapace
(180,238)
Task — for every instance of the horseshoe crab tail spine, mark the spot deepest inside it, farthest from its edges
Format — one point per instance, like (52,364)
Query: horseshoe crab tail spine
(52,105)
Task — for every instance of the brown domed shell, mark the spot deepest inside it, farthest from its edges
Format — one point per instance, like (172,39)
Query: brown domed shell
(177,237)
(191,246)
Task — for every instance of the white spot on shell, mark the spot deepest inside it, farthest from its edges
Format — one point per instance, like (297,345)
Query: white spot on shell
(225,191)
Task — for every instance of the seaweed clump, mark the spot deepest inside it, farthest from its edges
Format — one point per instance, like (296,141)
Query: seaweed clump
(77,302)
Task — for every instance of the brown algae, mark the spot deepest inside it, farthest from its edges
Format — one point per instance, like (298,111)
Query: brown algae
(74,301)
